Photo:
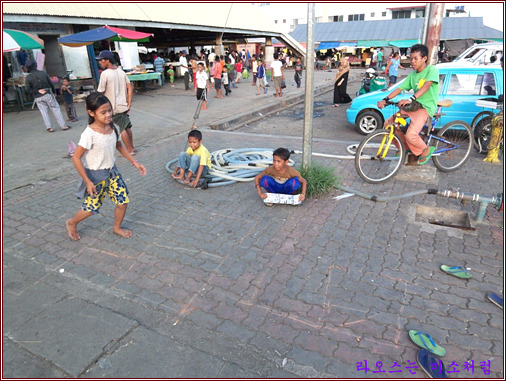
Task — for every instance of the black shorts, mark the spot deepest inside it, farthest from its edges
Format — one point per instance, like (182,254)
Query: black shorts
(217,83)
(122,120)
(200,92)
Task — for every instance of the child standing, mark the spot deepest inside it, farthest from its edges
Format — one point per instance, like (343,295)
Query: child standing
(196,160)
(170,72)
(99,173)
(280,177)
(260,75)
(225,80)
(68,100)
(238,69)
(201,79)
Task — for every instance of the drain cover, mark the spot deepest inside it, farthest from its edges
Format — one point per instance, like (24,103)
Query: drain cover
(443,217)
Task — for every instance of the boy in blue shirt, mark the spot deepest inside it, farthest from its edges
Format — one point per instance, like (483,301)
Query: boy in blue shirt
(68,100)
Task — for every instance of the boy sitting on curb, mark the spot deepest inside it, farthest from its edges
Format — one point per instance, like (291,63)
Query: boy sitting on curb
(280,177)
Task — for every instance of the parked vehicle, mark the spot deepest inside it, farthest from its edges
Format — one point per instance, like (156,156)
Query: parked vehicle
(463,84)
(371,82)
(480,54)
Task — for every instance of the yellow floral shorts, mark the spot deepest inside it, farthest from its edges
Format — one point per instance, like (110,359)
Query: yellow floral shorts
(115,188)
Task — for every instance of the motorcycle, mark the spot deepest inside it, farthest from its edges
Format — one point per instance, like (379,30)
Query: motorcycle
(371,81)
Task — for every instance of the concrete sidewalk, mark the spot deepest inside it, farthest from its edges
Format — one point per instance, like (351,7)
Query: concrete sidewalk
(214,285)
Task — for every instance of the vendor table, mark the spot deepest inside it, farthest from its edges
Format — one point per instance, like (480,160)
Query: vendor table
(146,77)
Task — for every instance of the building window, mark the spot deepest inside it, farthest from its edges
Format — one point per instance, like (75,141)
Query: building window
(284,21)
(401,14)
(383,14)
(275,21)
(372,14)
(419,13)
(319,19)
(356,17)
(335,18)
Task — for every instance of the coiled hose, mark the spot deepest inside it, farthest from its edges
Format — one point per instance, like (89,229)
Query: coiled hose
(232,165)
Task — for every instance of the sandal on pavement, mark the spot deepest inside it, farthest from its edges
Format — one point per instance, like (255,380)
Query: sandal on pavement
(424,159)
(50,130)
(269,204)
(432,366)
(424,341)
(66,128)
(496,299)
(457,271)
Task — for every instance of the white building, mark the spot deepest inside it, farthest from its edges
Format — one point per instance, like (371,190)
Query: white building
(288,15)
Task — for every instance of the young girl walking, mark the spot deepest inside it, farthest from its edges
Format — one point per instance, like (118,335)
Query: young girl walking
(99,173)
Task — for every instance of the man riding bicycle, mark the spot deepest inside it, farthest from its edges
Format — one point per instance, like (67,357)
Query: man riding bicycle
(422,104)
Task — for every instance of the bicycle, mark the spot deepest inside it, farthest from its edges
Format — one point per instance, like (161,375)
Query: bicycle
(380,155)
(483,131)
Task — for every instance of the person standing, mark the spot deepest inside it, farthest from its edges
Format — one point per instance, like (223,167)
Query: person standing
(277,75)
(184,70)
(260,75)
(42,88)
(341,82)
(218,68)
(68,99)
(379,65)
(393,68)
(116,86)
(254,67)
(298,72)
(158,64)
(201,80)
(446,56)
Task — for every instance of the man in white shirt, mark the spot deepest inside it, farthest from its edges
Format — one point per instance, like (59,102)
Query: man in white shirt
(116,86)
(277,75)
(184,70)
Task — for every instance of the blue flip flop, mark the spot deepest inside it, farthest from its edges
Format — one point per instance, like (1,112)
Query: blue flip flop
(432,366)
(496,299)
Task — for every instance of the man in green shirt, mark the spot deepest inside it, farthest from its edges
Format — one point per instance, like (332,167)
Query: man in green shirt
(424,82)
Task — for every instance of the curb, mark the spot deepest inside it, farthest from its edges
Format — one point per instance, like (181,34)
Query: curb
(237,121)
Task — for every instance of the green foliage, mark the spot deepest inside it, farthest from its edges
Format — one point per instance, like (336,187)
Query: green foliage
(320,179)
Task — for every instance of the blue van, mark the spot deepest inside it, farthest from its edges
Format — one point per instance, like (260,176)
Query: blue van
(463,84)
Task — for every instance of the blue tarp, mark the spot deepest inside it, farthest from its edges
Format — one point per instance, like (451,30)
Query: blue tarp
(328,45)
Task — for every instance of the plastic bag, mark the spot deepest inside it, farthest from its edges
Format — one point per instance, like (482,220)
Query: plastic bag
(245,74)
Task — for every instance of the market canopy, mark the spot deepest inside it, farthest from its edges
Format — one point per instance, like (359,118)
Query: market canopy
(373,43)
(105,32)
(404,43)
(13,40)
(328,45)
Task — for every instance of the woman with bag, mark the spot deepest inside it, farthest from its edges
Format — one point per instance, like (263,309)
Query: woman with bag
(341,82)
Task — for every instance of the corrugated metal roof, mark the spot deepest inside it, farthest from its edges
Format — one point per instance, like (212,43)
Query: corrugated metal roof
(243,16)
(453,28)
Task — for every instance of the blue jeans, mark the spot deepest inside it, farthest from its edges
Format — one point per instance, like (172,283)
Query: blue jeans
(290,186)
(190,163)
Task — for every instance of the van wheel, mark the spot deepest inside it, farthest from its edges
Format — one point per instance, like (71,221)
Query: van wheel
(368,121)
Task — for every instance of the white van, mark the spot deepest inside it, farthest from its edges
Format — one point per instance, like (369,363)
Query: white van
(479,54)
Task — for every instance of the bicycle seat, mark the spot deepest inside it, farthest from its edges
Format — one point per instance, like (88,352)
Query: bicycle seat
(444,103)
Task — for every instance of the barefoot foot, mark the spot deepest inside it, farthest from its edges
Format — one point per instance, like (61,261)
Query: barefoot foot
(122,232)
(72,230)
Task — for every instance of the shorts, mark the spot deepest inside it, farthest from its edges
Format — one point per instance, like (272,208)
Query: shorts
(217,83)
(392,78)
(200,92)
(115,188)
(122,120)
(277,82)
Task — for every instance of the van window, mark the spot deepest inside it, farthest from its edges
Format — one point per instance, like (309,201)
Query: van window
(465,84)
(488,85)
(441,82)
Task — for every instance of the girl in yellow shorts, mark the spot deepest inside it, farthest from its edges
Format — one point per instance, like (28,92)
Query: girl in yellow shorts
(95,162)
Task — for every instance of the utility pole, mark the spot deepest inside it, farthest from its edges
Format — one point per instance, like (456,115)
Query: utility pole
(433,33)
(307,141)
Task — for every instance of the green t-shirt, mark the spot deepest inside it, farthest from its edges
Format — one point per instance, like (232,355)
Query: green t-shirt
(380,56)
(415,81)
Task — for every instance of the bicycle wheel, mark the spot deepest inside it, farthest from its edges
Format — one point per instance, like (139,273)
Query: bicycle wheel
(453,146)
(374,166)
(482,134)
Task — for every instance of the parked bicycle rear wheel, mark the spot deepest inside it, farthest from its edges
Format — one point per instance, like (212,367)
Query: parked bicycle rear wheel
(455,152)
(368,162)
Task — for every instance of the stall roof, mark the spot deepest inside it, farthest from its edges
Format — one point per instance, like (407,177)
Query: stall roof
(180,23)
(453,28)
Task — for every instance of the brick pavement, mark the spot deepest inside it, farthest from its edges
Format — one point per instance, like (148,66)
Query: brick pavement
(213,284)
